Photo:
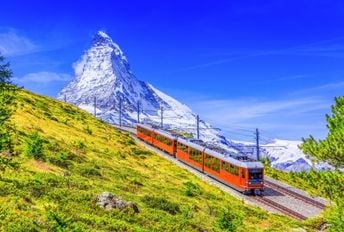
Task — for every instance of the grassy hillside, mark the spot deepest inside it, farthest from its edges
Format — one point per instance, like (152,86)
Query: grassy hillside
(81,157)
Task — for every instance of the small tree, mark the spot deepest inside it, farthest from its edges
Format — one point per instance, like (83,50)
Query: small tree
(331,149)
(7,101)
(34,146)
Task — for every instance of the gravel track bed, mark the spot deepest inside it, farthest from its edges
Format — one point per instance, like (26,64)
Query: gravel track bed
(299,191)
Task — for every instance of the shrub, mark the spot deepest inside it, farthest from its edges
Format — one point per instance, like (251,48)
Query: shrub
(60,159)
(130,141)
(36,188)
(22,224)
(192,189)
(161,204)
(88,130)
(34,146)
(7,163)
(229,220)
(142,152)
(89,171)
(336,216)
(60,222)
(81,145)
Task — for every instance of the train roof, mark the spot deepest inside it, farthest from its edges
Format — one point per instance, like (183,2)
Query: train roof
(224,157)
(243,164)
(191,144)
(145,126)
(164,134)
(157,131)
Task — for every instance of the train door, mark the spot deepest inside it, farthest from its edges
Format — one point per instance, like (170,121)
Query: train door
(174,148)
(243,175)
(203,157)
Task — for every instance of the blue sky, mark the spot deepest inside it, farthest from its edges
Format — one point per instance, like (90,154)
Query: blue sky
(275,65)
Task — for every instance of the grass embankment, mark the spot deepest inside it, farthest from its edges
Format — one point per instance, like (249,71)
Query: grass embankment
(82,157)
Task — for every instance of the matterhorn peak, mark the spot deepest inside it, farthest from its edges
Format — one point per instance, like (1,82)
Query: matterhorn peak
(103,77)
(102,38)
(105,42)
(103,34)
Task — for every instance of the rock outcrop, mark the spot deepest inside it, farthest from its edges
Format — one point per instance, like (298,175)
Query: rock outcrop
(109,201)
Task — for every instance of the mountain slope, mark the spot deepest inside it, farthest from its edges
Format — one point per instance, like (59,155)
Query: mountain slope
(83,157)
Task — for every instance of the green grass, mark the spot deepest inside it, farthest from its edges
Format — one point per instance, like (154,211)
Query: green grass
(83,157)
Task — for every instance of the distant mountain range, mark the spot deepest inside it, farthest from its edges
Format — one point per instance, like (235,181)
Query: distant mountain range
(103,72)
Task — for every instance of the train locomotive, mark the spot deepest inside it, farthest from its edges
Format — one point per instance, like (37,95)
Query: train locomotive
(243,175)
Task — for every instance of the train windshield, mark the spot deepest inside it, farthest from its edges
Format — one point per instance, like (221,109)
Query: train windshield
(255,174)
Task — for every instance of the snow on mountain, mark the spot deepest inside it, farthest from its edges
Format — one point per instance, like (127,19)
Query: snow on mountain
(103,72)
(286,155)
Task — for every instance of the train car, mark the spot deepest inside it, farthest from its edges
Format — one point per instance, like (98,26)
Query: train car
(164,141)
(190,153)
(157,138)
(145,133)
(244,176)
(255,177)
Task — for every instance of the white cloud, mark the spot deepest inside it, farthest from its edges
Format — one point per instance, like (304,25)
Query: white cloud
(329,90)
(79,65)
(292,117)
(249,109)
(12,44)
(329,48)
(43,77)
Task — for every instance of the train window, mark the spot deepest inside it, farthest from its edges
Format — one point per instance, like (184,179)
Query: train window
(183,147)
(212,163)
(144,131)
(255,174)
(195,155)
(163,139)
(234,170)
(225,166)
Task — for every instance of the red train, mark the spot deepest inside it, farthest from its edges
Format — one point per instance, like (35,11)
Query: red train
(244,176)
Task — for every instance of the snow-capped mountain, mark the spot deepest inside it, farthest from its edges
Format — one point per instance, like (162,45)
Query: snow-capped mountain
(103,72)
(283,154)
(286,155)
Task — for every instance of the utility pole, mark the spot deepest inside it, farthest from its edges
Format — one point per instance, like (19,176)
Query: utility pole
(197,125)
(162,118)
(257,144)
(65,98)
(120,112)
(138,112)
(95,106)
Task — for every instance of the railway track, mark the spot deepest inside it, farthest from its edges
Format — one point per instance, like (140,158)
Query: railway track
(279,207)
(294,194)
